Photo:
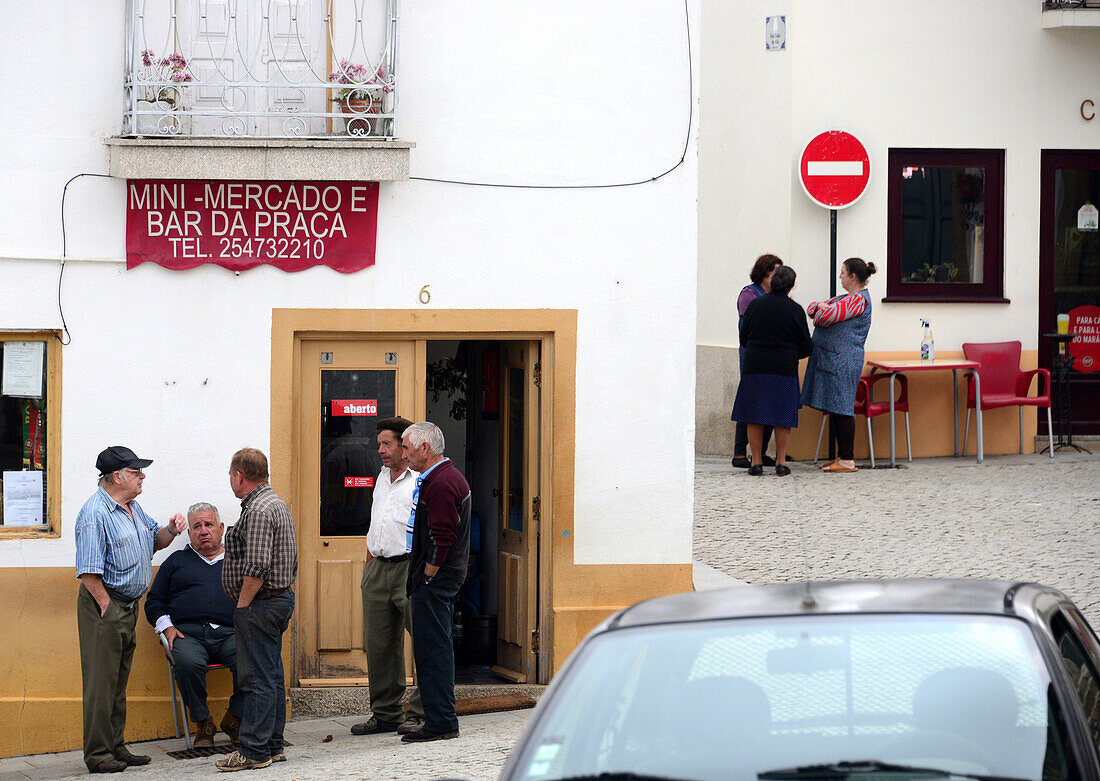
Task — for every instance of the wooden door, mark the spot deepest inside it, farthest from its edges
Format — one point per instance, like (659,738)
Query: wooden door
(346,387)
(519,513)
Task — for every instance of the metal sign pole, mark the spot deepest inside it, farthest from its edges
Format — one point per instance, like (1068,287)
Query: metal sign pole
(832,293)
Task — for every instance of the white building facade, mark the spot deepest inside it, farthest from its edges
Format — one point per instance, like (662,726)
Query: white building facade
(988,106)
(533,255)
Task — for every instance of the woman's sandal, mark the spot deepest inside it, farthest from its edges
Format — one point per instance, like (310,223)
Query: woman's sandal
(756,470)
(782,470)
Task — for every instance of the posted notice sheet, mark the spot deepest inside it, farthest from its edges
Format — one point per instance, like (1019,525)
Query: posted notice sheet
(23,498)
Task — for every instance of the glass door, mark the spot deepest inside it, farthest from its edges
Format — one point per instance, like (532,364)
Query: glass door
(1069,279)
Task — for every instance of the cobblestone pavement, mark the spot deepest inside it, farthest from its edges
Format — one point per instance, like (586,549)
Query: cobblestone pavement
(477,754)
(1024,517)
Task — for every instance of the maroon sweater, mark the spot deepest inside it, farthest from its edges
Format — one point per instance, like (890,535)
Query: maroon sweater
(441,530)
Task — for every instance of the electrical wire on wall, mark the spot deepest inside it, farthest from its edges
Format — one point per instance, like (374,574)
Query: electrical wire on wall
(64,247)
(633,183)
(646,180)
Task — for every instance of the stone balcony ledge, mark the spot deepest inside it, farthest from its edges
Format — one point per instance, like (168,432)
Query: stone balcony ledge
(260,159)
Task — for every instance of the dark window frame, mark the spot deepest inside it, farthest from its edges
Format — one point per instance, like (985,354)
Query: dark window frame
(989,291)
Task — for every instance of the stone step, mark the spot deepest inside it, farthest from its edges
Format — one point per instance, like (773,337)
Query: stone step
(316,702)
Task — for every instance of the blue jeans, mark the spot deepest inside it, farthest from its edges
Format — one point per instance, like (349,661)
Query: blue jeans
(201,646)
(432,608)
(259,629)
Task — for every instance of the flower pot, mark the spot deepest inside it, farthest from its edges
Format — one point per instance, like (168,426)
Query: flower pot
(361,116)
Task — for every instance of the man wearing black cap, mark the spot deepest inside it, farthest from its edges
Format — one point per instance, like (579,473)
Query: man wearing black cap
(115,541)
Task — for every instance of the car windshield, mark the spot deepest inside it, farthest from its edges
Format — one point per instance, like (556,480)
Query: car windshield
(737,698)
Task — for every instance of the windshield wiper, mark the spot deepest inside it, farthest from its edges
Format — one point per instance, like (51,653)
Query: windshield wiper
(869,767)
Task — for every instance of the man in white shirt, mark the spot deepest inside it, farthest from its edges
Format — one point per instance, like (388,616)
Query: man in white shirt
(189,606)
(386,611)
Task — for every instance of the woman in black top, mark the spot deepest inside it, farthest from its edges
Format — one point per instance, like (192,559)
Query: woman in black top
(775,336)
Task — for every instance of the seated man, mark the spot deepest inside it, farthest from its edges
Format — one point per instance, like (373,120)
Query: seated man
(187,603)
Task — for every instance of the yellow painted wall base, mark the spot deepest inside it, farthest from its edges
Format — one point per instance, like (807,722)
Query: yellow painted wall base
(40,686)
(586,594)
(930,418)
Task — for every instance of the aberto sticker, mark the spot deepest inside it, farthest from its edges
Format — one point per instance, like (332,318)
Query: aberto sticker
(341,407)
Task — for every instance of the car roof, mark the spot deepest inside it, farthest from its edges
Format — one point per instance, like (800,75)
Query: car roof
(999,597)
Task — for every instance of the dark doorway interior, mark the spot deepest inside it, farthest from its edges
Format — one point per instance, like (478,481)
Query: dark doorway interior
(1069,269)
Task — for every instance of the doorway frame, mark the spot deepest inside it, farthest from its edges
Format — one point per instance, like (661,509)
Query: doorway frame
(1050,161)
(555,329)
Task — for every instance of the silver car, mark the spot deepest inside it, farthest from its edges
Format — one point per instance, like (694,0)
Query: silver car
(901,679)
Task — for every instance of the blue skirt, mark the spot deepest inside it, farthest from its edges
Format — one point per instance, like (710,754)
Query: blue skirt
(767,399)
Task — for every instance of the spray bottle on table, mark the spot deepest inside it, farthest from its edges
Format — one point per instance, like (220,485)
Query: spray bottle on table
(927,344)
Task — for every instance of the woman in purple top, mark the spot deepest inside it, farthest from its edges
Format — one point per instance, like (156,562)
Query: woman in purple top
(761,276)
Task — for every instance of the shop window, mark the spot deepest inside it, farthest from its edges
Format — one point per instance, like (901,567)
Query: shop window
(946,225)
(29,408)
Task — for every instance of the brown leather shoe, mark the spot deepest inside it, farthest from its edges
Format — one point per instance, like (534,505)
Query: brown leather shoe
(204,733)
(109,765)
(231,726)
(133,760)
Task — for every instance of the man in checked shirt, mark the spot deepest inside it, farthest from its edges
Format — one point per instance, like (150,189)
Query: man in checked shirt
(260,565)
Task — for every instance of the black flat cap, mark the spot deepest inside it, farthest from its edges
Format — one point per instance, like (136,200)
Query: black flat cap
(118,457)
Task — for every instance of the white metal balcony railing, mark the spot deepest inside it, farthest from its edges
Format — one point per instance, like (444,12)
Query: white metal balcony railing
(261,68)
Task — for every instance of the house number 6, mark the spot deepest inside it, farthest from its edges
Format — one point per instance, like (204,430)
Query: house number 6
(425,296)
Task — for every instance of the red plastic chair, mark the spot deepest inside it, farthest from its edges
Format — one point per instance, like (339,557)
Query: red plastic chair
(1004,384)
(867,407)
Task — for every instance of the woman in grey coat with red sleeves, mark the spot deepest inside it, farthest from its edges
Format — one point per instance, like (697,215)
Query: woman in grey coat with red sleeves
(832,373)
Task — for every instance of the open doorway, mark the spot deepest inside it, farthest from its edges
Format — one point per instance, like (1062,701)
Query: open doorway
(485,396)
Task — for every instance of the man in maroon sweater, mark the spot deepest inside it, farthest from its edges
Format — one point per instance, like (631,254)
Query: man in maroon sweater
(438,542)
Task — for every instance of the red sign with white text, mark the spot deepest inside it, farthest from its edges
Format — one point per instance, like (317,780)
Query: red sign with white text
(181,224)
(358,482)
(1085,349)
(342,407)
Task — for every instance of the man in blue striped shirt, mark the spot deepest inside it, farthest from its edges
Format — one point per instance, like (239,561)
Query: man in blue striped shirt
(115,541)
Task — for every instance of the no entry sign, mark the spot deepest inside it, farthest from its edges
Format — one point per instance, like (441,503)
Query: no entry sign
(834,169)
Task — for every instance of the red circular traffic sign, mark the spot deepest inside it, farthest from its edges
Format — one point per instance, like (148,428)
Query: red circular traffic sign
(834,169)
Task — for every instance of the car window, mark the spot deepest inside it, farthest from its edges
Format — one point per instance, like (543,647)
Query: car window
(731,699)
(1081,673)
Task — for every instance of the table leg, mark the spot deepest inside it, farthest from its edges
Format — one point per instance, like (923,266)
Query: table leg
(978,410)
(893,462)
(955,408)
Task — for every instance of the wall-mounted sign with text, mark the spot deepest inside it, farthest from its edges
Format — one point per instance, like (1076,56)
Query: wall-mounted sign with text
(181,224)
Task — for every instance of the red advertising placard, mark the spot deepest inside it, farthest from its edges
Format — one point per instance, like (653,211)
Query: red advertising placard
(342,407)
(358,482)
(181,224)
(1085,349)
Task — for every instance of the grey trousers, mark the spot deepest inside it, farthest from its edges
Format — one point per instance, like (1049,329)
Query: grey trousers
(106,650)
(387,616)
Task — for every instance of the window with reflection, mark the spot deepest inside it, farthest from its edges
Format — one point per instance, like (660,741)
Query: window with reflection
(946,225)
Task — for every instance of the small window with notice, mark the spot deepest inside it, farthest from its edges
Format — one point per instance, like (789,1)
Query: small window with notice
(26,413)
(946,226)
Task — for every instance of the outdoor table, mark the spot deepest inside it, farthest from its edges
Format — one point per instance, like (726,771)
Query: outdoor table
(903,365)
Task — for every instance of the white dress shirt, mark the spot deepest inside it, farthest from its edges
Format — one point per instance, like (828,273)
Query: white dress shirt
(389,512)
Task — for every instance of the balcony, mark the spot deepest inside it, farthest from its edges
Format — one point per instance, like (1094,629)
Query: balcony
(281,89)
(1059,14)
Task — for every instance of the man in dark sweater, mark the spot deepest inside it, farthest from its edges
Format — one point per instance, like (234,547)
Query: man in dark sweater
(189,606)
(438,541)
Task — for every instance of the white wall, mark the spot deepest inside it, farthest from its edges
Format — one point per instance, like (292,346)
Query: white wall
(176,365)
(933,73)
